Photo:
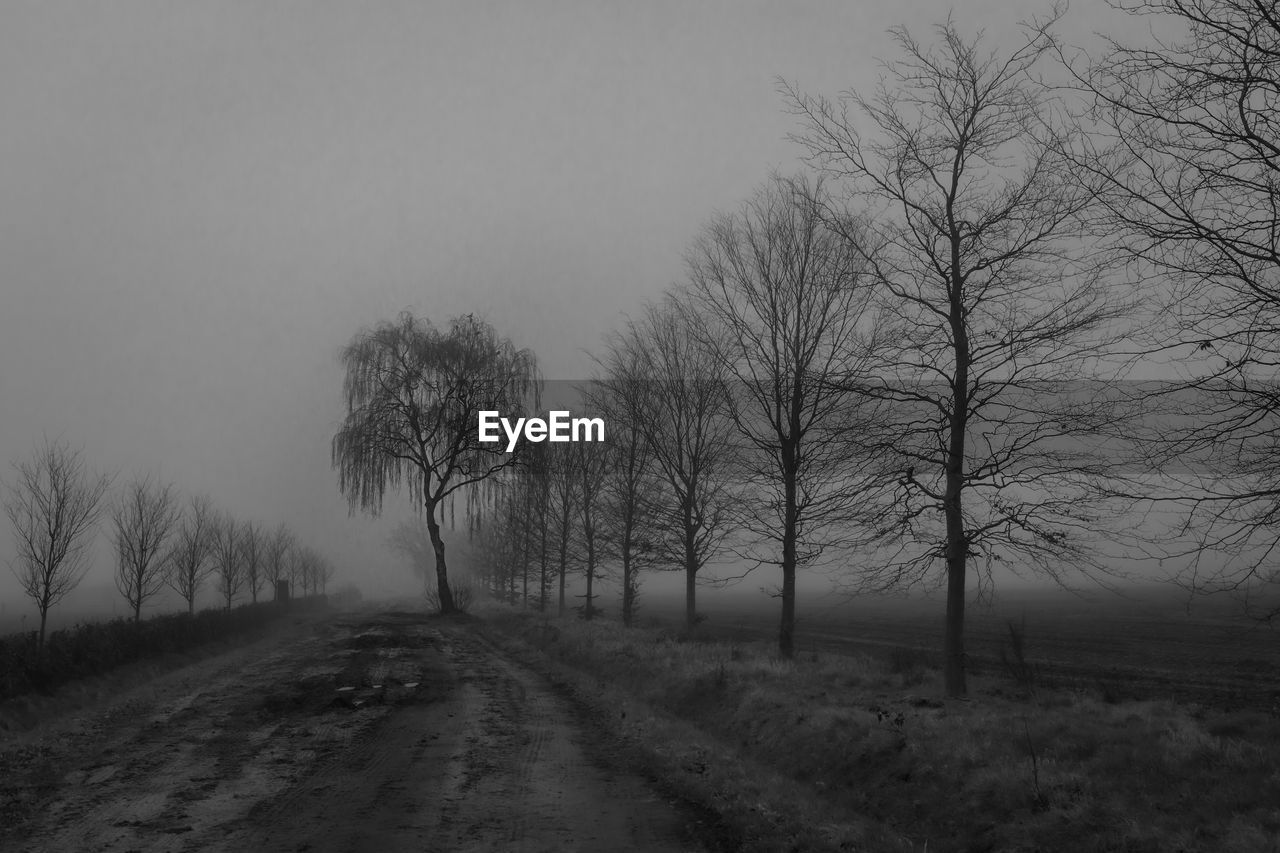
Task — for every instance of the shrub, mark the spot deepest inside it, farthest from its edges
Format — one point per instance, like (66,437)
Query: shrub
(911,664)
(464,595)
(94,648)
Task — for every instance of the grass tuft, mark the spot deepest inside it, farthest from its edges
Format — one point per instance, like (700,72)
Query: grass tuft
(885,762)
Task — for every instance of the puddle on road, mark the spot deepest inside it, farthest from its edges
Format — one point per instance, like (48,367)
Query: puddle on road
(383,639)
(374,666)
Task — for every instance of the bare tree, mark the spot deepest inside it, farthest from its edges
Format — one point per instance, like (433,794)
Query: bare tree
(1185,138)
(275,555)
(788,303)
(974,238)
(628,489)
(227,557)
(53,504)
(313,570)
(530,486)
(303,569)
(592,462)
(188,562)
(252,551)
(144,518)
(515,520)
(562,472)
(524,516)
(414,395)
(325,572)
(502,542)
(538,472)
(687,427)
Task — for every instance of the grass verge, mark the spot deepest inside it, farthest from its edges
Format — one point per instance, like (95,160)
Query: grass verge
(838,752)
(96,648)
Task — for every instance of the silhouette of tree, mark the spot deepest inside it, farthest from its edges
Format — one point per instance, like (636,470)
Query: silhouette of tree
(413,396)
(53,504)
(188,562)
(788,302)
(228,557)
(684,415)
(143,518)
(992,308)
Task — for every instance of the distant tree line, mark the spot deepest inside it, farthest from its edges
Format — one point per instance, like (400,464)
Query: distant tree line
(54,503)
(907,361)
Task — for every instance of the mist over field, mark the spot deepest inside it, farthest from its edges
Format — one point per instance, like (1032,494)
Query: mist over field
(202,203)
(935,350)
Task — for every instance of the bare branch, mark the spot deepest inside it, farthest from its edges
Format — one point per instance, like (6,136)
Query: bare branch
(53,505)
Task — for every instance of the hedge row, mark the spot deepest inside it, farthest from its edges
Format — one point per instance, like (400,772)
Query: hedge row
(97,647)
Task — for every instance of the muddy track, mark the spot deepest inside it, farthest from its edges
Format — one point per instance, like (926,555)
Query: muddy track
(383,731)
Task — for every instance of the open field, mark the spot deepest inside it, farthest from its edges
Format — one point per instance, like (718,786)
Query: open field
(1142,645)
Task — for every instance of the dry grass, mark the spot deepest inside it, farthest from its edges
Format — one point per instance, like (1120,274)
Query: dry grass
(887,763)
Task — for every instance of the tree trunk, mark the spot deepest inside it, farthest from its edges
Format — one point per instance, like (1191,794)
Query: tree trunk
(690,567)
(44,618)
(544,583)
(591,570)
(957,549)
(564,569)
(564,552)
(442,571)
(957,558)
(787,629)
(525,552)
(626,575)
(953,645)
(690,596)
(137,611)
(690,573)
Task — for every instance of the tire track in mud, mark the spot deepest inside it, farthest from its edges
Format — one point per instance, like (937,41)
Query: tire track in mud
(526,782)
(376,731)
(163,767)
(495,764)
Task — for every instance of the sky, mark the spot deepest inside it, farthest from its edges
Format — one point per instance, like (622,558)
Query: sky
(201,202)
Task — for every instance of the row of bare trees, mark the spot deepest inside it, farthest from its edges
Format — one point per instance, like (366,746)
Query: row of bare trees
(811,392)
(923,361)
(158,540)
(240,556)
(562,511)
(910,361)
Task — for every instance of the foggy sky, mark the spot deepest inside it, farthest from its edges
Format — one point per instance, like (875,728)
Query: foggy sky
(200,203)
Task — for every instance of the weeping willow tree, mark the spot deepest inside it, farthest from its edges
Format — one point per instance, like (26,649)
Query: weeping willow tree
(414,393)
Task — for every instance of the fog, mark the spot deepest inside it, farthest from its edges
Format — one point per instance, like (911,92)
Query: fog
(200,203)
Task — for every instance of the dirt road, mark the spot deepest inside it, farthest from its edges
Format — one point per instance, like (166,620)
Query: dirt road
(380,731)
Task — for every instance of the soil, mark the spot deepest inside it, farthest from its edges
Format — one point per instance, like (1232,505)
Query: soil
(370,731)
